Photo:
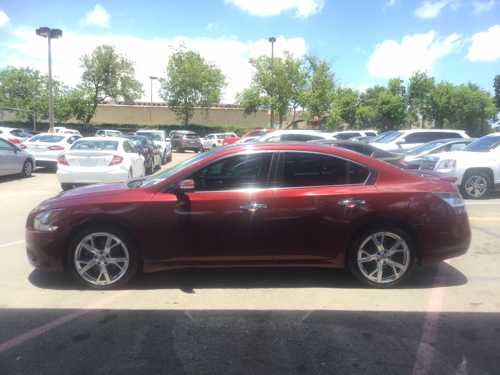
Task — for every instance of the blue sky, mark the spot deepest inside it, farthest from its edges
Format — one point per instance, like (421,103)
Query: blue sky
(370,41)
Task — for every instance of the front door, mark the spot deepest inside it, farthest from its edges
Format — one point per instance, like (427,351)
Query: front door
(225,219)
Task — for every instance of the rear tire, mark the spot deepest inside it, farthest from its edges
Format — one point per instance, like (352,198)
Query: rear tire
(382,257)
(66,187)
(27,169)
(163,160)
(201,149)
(475,185)
(169,159)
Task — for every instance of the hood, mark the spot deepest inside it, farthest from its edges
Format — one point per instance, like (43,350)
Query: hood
(464,155)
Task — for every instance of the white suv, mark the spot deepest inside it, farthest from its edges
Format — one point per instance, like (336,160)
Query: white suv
(403,140)
(476,166)
(347,134)
(294,135)
(162,141)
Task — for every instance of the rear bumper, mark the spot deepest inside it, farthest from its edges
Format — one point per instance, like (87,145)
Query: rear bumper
(91,175)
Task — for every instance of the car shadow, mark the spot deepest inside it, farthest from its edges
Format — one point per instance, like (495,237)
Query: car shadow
(14,177)
(45,170)
(187,280)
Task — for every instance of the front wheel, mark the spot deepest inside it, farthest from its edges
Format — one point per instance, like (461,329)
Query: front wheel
(476,185)
(201,149)
(66,187)
(27,169)
(382,257)
(103,257)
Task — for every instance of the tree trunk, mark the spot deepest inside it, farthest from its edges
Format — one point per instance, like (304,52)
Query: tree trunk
(91,114)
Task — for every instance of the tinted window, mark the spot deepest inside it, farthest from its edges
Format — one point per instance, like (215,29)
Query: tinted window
(191,136)
(370,134)
(94,145)
(457,146)
(132,148)
(153,135)
(348,135)
(47,138)
(300,169)
(233,173)
(449,135)
(420,137)
(357,174)
(300,137)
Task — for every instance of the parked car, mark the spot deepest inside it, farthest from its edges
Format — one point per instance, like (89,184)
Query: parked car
(48,147)
(159,137)
(405,140)
(186,140)
(108,133)
(366,149)
(272,204)
(476,166)
(360,139)
(414,157)
(215,140)
(32,133)
(251,133)
(295,135)
(14,135)
(381,137)
(149,149)
(94,159)
(246,140)
(346,134)
(130,133)
(14,160)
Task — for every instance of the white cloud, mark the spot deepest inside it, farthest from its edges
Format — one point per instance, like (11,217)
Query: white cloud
(357,49)
(4,19)
(150,56)
(480,7)
(485,46)
(391,3)
(211,26)
(417,52)
(363,86)
(304,8)
(431,9)
(98,17)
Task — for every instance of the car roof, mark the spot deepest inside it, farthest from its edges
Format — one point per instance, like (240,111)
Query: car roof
(153,130)
(118,139)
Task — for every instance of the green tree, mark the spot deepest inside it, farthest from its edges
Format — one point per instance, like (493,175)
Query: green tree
(419,94)
(496,87)
(347,104)
(191,81)
(442,104)
(108,74)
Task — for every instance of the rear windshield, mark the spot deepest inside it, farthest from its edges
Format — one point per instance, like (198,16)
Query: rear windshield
(191,136)
(47,138)
(152,135)
(95,145)
(114,134)
(18,133)
(485,144)
(138,141)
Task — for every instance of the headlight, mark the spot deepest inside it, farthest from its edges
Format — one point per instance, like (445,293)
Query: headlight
(448,164)
(455,200)
(42,220)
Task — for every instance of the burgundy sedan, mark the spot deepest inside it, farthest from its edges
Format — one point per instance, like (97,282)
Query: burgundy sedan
(293,205)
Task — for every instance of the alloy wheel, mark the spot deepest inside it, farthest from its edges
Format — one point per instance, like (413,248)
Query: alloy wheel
(476,186)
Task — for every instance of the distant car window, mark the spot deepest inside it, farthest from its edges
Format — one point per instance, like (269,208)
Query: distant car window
(126,147)
(457,146)
(237,172)
(255,134)
(360,149)
(357,174)
(100,133)
(370,134)
(348,135)
(72,139)
(155,136)
(302,170)
(114,134)
(443,135)
(132,148)
(84,145)
(4,145)
(301,137)
(191,136)
(47,138)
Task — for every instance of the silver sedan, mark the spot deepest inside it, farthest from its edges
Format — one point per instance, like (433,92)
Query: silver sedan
(13,160)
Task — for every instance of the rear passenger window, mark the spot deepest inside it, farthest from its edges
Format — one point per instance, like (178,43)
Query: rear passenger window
(302,170)
(357,174)
(370,134)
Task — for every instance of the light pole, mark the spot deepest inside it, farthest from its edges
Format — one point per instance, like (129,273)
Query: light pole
(272,40)
(152,87)
(50,34)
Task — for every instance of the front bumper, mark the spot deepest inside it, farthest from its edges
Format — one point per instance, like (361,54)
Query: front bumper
(45,249)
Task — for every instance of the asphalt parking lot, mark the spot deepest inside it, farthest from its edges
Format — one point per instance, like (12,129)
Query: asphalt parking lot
(444,320)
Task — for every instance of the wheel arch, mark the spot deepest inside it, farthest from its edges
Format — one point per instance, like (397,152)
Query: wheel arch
(486,170)
(381,223)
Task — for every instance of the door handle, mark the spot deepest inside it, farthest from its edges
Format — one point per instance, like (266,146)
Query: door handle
(253,207)
(351,203)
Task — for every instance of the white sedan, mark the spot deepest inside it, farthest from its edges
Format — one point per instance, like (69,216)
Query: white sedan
(98,159)
(48,147)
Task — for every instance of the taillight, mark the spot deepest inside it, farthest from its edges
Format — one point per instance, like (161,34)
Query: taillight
(335,145)
(182,140)
(145,150)
(116,160)
(402,161)
(56,148)
(62,160)
(219,141)
(23,147)
(14,140)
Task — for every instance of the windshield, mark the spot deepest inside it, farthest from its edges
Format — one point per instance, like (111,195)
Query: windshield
(380,137)
(152,135)
(485,144)
(47,138)
(426,147)
(391,137)
(114,133)
(82,145)
(156,179)
(138,141)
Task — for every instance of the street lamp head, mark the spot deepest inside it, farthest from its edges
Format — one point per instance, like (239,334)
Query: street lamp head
(272,40)
(153,77)
(56,34)
(43,31)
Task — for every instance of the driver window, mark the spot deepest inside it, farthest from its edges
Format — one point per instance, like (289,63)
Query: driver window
(5,146)
(234,173)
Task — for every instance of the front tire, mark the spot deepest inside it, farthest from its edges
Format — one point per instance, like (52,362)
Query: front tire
(382,257)
(201,149)
(103,257)
(66,187)
(27,169)
(476,185)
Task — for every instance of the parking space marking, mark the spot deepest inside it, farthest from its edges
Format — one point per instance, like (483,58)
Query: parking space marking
(11,243)
(47,327)
(425,351)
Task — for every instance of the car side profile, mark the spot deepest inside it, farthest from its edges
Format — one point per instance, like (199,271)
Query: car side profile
(14,160)
(108,133)
(268,204)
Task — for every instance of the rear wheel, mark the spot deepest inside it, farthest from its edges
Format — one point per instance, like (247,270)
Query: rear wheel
(213,146)
(103,258)
(382,257)
(476,185)
(27,169)
(130,174)
(169,159)
(66,187)
(201,149)
(164,158)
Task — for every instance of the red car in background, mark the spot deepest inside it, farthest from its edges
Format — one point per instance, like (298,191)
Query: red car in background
(252,133)
(261,205)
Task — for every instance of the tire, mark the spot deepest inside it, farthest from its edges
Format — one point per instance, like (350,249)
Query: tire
(381,268)
(27,169)
(476,185)
(177,149)
(97,266)
(169,159)
(66,187)
(200,149)
(149,170)
(214,146)
(163,160)
(130,174)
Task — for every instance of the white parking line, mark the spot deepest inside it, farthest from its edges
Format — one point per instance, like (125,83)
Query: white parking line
(11,243)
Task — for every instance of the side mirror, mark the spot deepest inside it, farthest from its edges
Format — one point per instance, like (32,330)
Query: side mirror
(186,186)
(400,141)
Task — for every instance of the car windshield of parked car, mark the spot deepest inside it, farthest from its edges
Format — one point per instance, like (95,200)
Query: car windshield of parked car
(84,145)
(47,138)
(115,134)
(485,144)
(138,141)
(426,147)
(156,179)
(152,135)
(380,137)
(391,137)
(191,136)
